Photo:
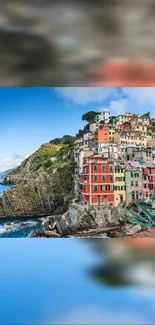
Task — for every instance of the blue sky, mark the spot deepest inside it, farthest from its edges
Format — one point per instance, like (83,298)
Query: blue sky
(32,116)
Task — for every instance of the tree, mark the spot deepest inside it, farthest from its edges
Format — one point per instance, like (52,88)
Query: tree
(112,120)
(89,117)
(152,127)
(81,133)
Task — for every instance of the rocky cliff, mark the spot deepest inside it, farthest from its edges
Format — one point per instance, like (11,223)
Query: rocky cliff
(44,183)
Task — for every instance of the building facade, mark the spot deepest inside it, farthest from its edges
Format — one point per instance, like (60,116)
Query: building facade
(103,116)
(97,181)
(103,134)
(134,185)
(120,185)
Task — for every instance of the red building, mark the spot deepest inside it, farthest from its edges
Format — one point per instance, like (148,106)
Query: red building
(126,127)
(97,180)
(152,178)
(146,182)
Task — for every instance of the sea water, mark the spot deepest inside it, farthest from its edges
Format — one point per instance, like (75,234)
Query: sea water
(26,225)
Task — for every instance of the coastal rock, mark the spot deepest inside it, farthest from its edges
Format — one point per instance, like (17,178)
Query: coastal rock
(84,221)
(97,216)
(40,196)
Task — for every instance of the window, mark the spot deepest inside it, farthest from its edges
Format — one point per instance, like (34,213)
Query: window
(136,174)
(103,168)
(95,167)
(95,188)
(137,195)
(95,178)
(133,196)
(103,187)
(136,183)
(111,178)
(111,168)
(103,177)
(105,199)
(132,184)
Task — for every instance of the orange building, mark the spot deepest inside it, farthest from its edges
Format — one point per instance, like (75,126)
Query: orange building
(103,134)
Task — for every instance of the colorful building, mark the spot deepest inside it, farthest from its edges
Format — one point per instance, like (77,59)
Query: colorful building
(97,180)
(134,185)
(132,137)
(139,125)
(103,116)
(146,182)
(152,178)
(88,141)
(103,134)
(126,127)
(119,185)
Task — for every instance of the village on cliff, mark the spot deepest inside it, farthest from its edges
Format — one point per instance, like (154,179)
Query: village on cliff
(115,161)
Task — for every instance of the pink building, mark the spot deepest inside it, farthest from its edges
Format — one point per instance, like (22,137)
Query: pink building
(151,143)
(146,182)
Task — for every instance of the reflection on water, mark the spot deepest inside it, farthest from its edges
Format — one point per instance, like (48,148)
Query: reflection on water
(47,281)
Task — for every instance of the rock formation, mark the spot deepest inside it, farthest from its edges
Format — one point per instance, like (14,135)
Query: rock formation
(82,221)
(42,186)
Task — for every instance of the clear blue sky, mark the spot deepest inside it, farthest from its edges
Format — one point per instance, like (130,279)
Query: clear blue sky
(32,116)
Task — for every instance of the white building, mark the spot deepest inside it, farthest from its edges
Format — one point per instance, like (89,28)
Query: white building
(103,116)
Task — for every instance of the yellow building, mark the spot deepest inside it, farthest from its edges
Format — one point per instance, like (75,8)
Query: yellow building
(88,141)
(111,134)
(126,138)
(139,125)
(119,185)
(126,117)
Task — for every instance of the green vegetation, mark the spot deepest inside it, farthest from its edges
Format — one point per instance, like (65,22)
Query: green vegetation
(81,133)
(48,156)
(152,126)
(112,120)
(89,117)
(67,139)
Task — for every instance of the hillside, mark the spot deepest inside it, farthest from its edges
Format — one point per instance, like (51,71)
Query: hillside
(44,183)
(47,158)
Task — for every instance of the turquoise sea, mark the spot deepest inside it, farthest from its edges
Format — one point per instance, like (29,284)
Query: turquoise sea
(22,226)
